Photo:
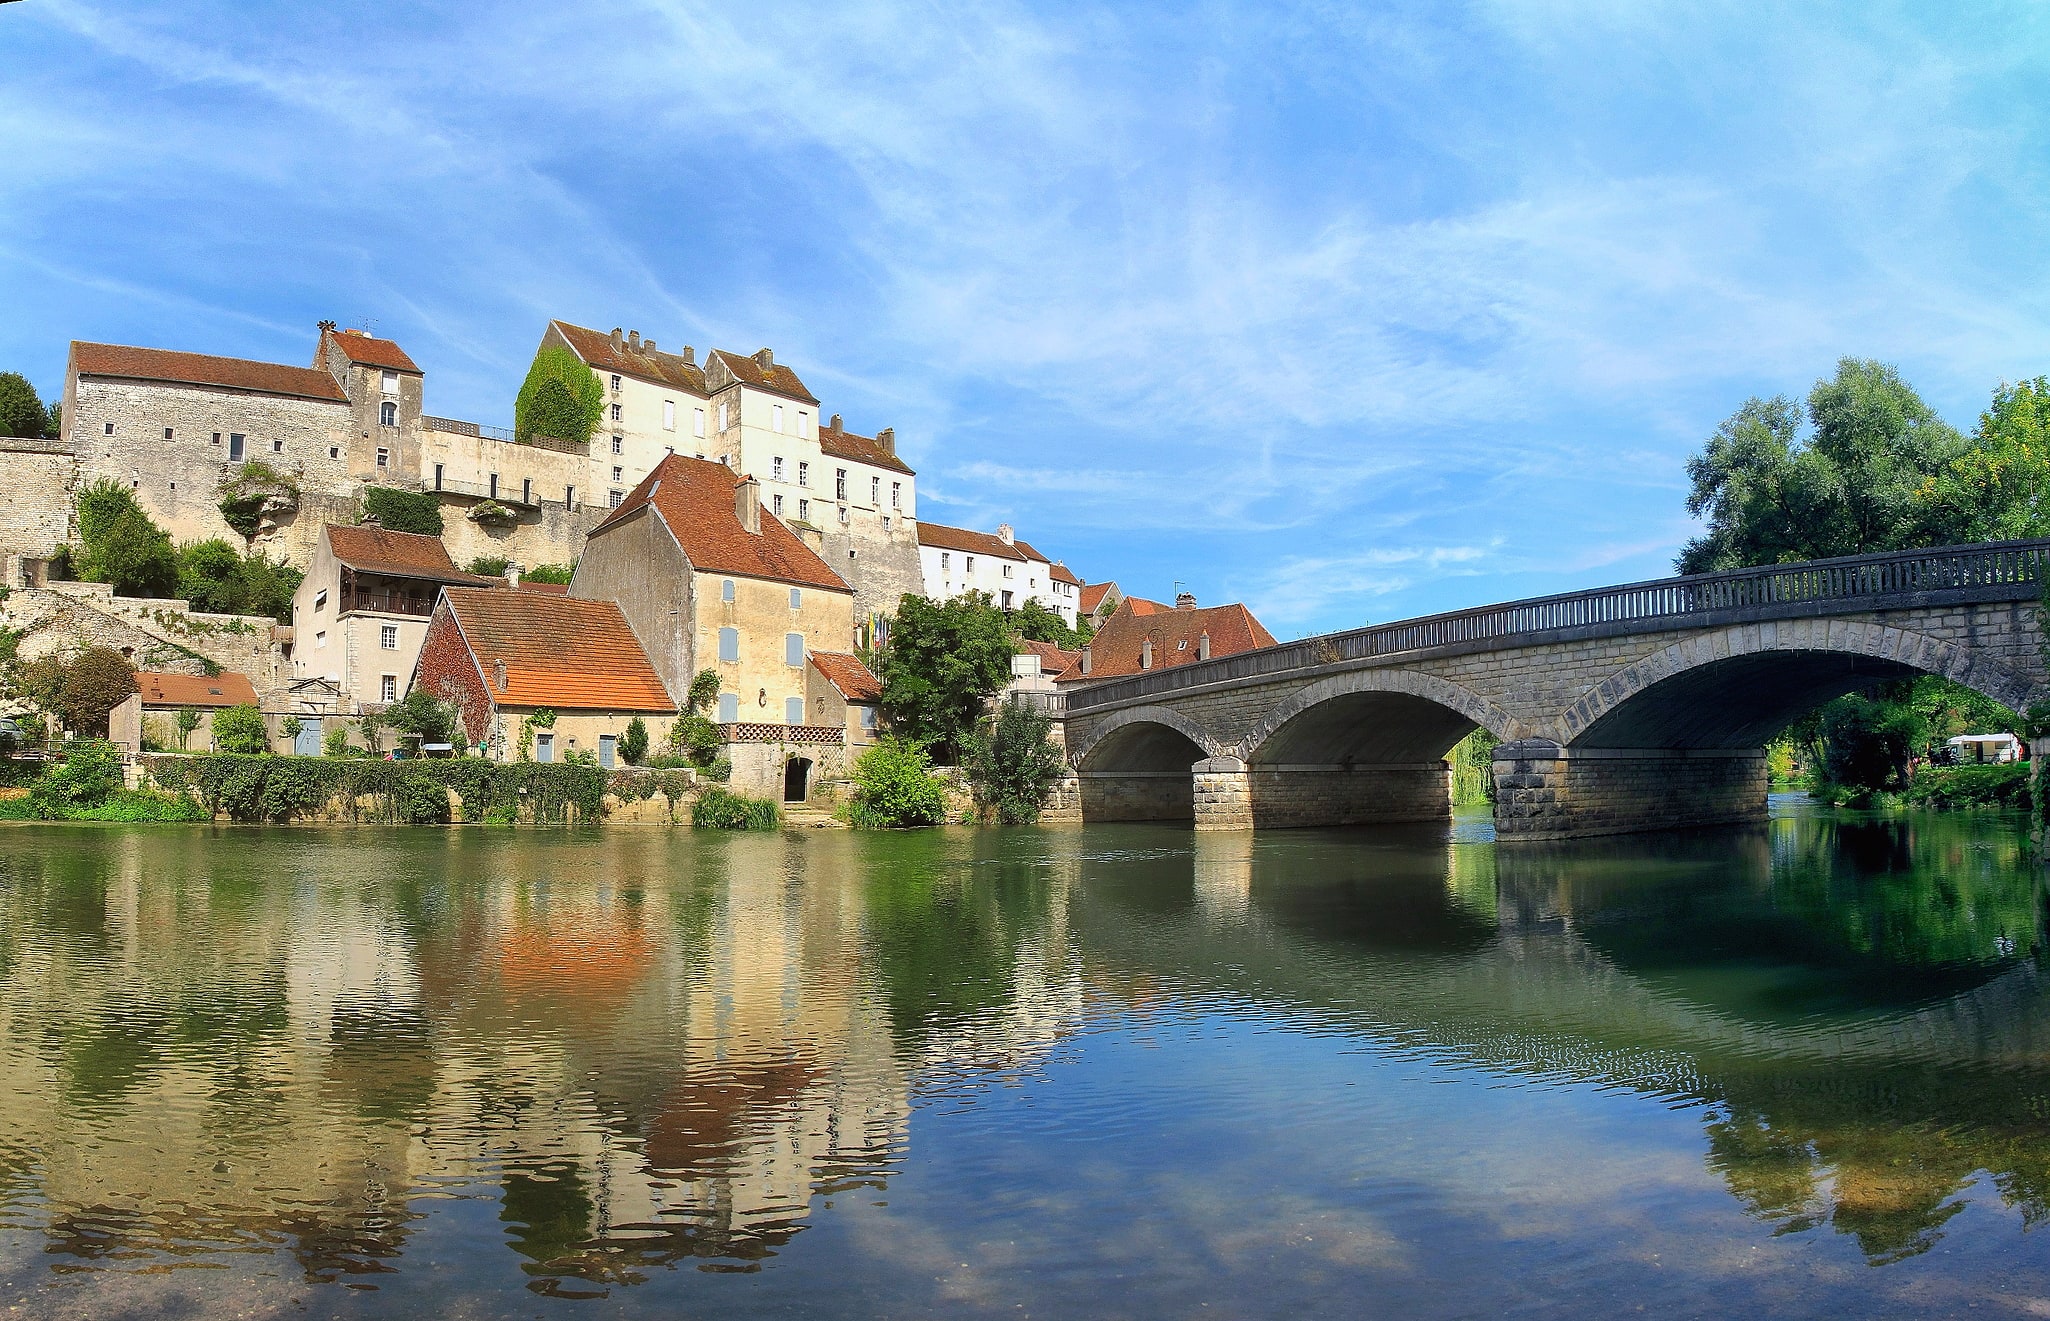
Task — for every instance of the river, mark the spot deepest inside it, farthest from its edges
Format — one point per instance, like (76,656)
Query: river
(1101,1071)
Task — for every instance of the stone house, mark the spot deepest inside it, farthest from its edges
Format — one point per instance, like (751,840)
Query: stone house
(956,561)
(153,708)
(502,656)
(1097,601)
(361,614)
(845,693)
(1135,639)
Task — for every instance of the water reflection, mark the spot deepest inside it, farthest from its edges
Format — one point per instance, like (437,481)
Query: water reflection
(645,1050)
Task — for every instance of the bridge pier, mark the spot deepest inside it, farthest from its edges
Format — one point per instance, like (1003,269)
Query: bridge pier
(1545,791)
(1135,795)
(1360,795)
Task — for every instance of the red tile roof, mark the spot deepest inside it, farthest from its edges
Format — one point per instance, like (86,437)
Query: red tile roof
(550,589)
(597,349)
(695,498)
(225,689)
(844,444)
(1141,606)
(1053,662)
(1092,596)
(558,651)
(1118,646)
(370,350)
(127,363)
(849,675)
(372,549)
(774,377)
(962,539)
(1060,573)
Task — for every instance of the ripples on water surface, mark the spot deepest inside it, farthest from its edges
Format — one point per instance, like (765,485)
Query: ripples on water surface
(1103,1071)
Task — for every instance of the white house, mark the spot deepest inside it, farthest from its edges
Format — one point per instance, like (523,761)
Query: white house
(956,560)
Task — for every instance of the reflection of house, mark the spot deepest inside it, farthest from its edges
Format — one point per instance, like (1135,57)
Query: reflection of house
(503,656)
(158,699)
(844,693)
(1140,636)
(360,615)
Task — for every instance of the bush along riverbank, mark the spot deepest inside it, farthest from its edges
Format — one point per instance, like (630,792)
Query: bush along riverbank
(2002,787)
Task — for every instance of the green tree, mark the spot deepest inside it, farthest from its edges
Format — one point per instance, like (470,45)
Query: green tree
(210,576)
(1857,481)
(120,545)
(240,729)
(21,411)
(561,399)
(53,429)
(1037,623)
(558,574)
(634,744)
(403,511)
(894,788)
(187,721)
(1012,764)
(424,716)
(1998,487)
(81,691)
(942,663)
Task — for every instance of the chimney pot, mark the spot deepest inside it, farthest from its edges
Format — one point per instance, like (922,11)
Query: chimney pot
(648,344)
(512,574)
(1006,533)
(834,425)
(690,358)
(633,340)
(886,440)
(1185,601)
(616,340)
(747,505)
(1145,654)
(498,672)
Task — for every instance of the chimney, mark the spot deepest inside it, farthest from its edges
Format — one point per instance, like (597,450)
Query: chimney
(1185,601)
(886,440)
(498,672)
(834,425)
(648,345)
(1006,533)
(512,574)
(633,340)
(1145,655)
(764,359)
(1203,647)
(1085,660)
(747,505)
(617,342)
(690,357)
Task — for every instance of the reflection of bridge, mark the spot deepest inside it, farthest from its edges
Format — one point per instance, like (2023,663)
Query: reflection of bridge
(1625,708)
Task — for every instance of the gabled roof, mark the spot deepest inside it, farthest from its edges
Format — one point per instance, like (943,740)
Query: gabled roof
(558,651)
(547,589)
(962,539)
(1141,606)
(368,548)
(124,362)
(224,689)
(1053,662)
(695,498)
(1119,645)
(1060,573)
(1092,595)
(847,674)
(775,376)
(843,444)
(597,349)
(370,350)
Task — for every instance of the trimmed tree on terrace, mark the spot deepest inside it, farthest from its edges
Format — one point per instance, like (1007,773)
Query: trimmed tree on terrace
(942,663)
(561,399)
(120,545)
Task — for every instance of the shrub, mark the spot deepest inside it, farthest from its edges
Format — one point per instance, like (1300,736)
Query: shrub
(119,545)
(214,576)
(335,743)
(1952,788)
(81,691)
(490,566)
(560,398)
(492,513)
(240,729)
(89,773)
(1012,764)
(187,721)
(279,788)
(559,574)
(254,490)
(425,716)
(634,744)
(894,788)
(719,809)
(403,511)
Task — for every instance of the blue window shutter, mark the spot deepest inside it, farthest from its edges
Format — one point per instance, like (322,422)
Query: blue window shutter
(729,644)
(729,708)
(793,648)
(793,710)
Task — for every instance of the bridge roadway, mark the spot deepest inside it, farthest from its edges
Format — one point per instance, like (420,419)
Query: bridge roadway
(1640,707)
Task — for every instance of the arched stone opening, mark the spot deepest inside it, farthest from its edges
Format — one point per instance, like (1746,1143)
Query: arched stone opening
(1139,771)
(1741,702)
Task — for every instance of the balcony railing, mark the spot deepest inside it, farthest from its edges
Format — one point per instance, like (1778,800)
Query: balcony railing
(390,603)
(2007,569)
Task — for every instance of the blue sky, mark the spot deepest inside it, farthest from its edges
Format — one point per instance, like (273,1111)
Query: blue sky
(1349,311)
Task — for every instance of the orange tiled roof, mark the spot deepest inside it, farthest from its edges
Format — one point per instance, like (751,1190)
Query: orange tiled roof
(135,364)
(849,675)
(1118,646)
(695,498)
(225,689)
(371,549)
(548,589)
(597,349)
(843,444)
(1141,606)
(962,539)
(774,377)
(1053,662)
(558,651)
(370,350)
(1060,573)
(1092,596)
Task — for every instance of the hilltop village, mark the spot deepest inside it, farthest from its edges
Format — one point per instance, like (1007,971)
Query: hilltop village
(556,588)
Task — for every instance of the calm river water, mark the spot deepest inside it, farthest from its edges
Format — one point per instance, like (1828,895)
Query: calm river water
(1113,1071)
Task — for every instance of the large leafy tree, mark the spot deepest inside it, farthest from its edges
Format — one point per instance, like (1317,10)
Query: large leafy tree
(942,663)
(120,545)
(80,691)
(1998,486)
(21,411)
(561,398)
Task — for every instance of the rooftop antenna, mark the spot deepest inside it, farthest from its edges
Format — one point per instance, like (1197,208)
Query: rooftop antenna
(370,327)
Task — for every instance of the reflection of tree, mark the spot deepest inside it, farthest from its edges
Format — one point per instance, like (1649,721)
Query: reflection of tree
(945,942)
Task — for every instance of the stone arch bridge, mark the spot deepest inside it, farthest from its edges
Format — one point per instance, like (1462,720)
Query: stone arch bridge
(1627,708)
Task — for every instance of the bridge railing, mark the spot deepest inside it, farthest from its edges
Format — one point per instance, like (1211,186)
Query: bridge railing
(1854,578)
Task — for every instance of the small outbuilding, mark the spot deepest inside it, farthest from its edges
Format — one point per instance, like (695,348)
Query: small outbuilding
(154,708)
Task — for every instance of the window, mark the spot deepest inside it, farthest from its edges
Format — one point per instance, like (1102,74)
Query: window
(277,447)
(437,475)
(669,415)
(388,414)
(793,648)
(388,688)
(526,490)
(776,469)
(803,421)
(320,639)
(776,416)
(803,473)
(968,563)
(618,473)
(875,490)
(217,437)
(896,495)
(619,444)
(843,513)
(491,485)
(793,710)
(334,451)
(384,458)
(726,589)
(1007,571)
(569,496)
(167,433)
(388,637)
(320,599)
(729,644)
(1007,600)
(839,483)
(796,598)
(776,505)
(613,500)
(391,382)
(109,428)
(615,380)
(615,412)
(729,708)
(234,447)
(722,417)
(944,558)
(868,717)
(804,510)
(698,424)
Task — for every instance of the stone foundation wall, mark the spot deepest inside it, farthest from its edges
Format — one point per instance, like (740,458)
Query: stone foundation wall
(1362,795)
(1063,802)
(35,499)
(1137,795)
(1543,791)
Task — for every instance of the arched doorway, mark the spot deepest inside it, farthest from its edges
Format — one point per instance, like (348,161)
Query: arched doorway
(797,780)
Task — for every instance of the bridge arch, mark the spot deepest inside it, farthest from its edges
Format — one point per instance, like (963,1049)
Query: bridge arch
(1380,715)
(1737,687)
(1143,738)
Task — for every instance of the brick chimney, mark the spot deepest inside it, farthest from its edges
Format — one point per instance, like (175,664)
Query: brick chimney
(690,356)
(617,342)
(1006,533)
(886,440)
(764,359)
(747,505)
(1185,601)
(633,340)
(648,346)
